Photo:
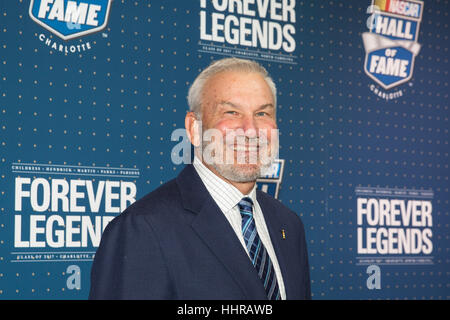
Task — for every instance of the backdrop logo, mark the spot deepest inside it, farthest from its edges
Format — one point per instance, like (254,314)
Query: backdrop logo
(60,211)
(270,182)
(391,45)
(70,19)
(394,226)
(263,29)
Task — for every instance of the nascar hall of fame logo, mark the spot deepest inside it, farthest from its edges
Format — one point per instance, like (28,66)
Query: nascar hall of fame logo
(270,182)
(391,45)
(69,20)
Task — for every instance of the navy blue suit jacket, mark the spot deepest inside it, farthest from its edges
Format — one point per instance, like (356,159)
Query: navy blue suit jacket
(175,243)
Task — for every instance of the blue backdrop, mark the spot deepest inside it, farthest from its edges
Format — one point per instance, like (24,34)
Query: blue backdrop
(86,125)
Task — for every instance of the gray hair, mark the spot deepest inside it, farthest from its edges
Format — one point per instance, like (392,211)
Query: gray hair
(227,64)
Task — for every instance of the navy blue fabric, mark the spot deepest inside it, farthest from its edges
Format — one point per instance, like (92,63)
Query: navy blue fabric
(175,243)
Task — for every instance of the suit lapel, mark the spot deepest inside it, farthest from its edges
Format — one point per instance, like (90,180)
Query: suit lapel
(212,227)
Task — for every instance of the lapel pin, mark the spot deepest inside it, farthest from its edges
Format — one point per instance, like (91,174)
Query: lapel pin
(283,233)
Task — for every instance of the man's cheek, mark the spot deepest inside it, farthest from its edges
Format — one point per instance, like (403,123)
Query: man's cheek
(227,124)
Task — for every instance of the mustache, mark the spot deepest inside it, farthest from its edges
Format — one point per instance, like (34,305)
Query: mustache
(256,148)
(238,140)
(252,144)
(241,140)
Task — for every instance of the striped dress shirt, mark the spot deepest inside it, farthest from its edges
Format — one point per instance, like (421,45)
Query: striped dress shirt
(227,198)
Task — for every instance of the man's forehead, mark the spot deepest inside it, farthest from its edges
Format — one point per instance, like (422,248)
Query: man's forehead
(227,76)
(239,89)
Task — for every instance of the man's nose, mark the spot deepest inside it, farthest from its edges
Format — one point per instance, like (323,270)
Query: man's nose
(249,126)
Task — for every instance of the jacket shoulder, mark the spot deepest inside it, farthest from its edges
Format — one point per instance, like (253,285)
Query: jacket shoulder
(154,212)
(161,199)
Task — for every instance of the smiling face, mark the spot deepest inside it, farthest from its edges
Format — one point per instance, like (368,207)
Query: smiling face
(238,108)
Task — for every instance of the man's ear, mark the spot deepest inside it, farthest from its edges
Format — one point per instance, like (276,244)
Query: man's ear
(193,128)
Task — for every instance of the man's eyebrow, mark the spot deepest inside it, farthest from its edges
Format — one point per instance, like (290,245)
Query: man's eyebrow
(231,104)
(267,105)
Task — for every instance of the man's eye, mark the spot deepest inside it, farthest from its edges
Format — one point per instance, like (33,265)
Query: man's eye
(231,112)
(262,113)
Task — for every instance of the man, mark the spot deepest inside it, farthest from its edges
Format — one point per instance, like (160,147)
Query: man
(209,234)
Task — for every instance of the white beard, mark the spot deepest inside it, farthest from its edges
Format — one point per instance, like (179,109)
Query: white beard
(247,169)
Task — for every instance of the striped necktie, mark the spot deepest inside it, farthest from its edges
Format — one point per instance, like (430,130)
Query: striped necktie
(258,253)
